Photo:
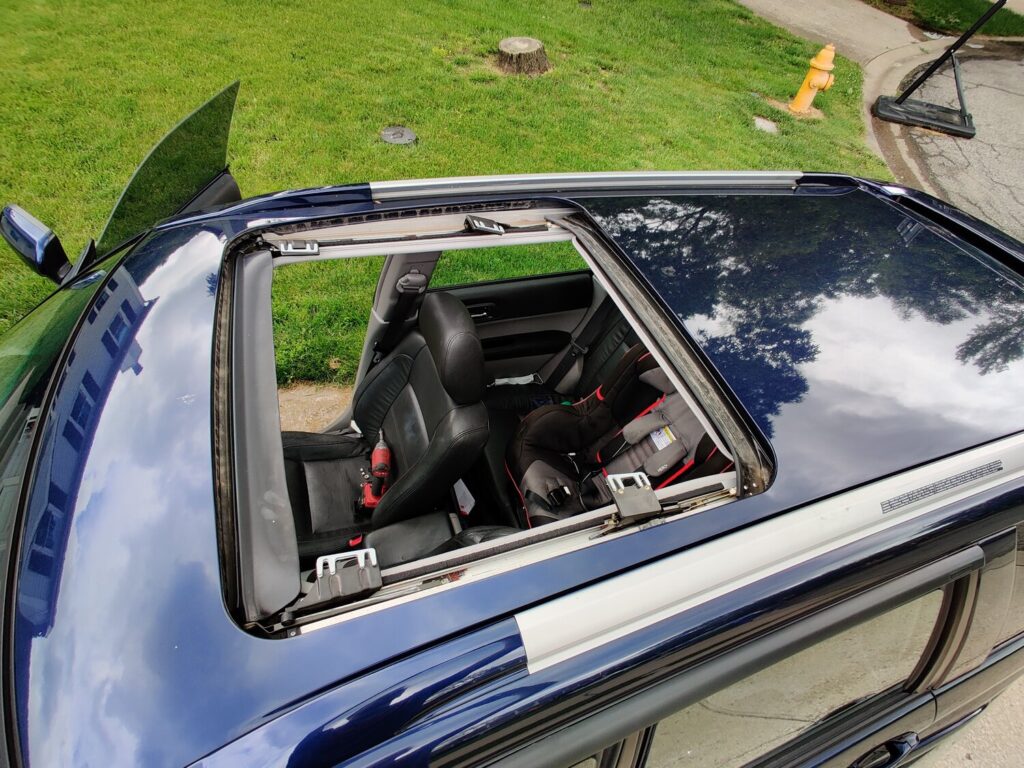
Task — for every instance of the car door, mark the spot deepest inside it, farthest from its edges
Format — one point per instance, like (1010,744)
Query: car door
(185,171)
(792,703)
(522,322)
(844,659)
(794,695)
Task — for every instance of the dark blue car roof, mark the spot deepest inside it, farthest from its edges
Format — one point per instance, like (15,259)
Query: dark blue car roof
(860,338)
(124,651)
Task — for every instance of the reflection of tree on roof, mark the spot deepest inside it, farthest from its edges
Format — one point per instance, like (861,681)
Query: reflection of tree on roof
(993,345)
(747,272)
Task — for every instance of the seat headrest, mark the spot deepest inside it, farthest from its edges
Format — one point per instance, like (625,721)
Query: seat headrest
(452,341)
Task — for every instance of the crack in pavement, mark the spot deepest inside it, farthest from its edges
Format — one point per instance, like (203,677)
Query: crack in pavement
(983,175)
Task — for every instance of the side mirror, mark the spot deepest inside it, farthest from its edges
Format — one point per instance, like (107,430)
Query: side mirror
(35,243)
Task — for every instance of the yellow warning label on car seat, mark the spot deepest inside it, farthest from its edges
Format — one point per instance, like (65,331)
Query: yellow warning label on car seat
(662,438)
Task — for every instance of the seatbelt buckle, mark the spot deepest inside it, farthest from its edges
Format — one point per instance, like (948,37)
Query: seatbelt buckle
(558,496)
(576,349)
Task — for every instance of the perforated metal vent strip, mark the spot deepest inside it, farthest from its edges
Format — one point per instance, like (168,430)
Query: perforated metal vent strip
(896,502)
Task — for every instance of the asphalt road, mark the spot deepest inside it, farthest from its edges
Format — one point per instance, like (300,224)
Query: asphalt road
(983,175)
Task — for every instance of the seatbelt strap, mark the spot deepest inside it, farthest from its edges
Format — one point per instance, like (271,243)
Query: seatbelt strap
(580,344)
(409,286)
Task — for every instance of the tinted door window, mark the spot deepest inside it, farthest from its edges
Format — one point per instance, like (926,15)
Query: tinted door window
(746,720)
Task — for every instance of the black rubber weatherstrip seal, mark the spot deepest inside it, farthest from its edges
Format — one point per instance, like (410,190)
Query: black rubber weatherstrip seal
(537,535)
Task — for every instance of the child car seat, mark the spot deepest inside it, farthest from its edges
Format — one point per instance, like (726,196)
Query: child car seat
(635,421)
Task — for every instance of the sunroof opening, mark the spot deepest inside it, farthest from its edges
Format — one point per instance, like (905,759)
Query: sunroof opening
(500,406)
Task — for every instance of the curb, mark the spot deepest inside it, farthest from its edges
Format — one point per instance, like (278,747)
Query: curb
(883,75)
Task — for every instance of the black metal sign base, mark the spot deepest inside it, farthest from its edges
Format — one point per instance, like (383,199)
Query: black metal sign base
(914,112)
(901,109)
(924,114)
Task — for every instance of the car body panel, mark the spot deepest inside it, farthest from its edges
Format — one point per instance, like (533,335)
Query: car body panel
(349,720)
(521,708)
(837,315)
(135,658)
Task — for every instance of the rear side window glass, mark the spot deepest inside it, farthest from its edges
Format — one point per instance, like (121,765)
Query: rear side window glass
(476,265)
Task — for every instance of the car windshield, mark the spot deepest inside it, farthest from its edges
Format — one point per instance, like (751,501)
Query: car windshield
(28,353)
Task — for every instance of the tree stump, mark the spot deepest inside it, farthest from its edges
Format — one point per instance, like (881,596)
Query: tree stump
(522,56)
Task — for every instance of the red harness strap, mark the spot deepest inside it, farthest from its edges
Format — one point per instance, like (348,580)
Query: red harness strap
(685,468)
(519,493)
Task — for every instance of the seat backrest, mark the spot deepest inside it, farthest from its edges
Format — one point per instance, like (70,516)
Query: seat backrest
(426,395)
(659,440)
(616,338)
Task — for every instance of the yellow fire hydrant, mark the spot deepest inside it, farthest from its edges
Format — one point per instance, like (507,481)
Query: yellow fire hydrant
(819,78)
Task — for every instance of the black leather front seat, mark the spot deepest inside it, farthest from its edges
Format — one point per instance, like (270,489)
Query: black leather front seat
(426,394)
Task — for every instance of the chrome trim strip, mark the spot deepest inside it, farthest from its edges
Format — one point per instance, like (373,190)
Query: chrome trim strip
(566,182)
(586,619)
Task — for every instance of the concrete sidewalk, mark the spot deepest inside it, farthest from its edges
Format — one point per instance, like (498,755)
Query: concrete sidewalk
(859,31)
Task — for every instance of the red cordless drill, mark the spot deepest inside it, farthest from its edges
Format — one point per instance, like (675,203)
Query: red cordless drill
(380,470)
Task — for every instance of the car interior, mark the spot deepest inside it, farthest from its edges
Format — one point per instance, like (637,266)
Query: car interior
(486,414)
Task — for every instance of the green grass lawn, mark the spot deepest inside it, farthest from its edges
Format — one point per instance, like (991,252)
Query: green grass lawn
(954,16)
(320,308)
(88,87)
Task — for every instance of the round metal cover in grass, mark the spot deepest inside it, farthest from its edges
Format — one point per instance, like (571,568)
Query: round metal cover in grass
(398,134)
